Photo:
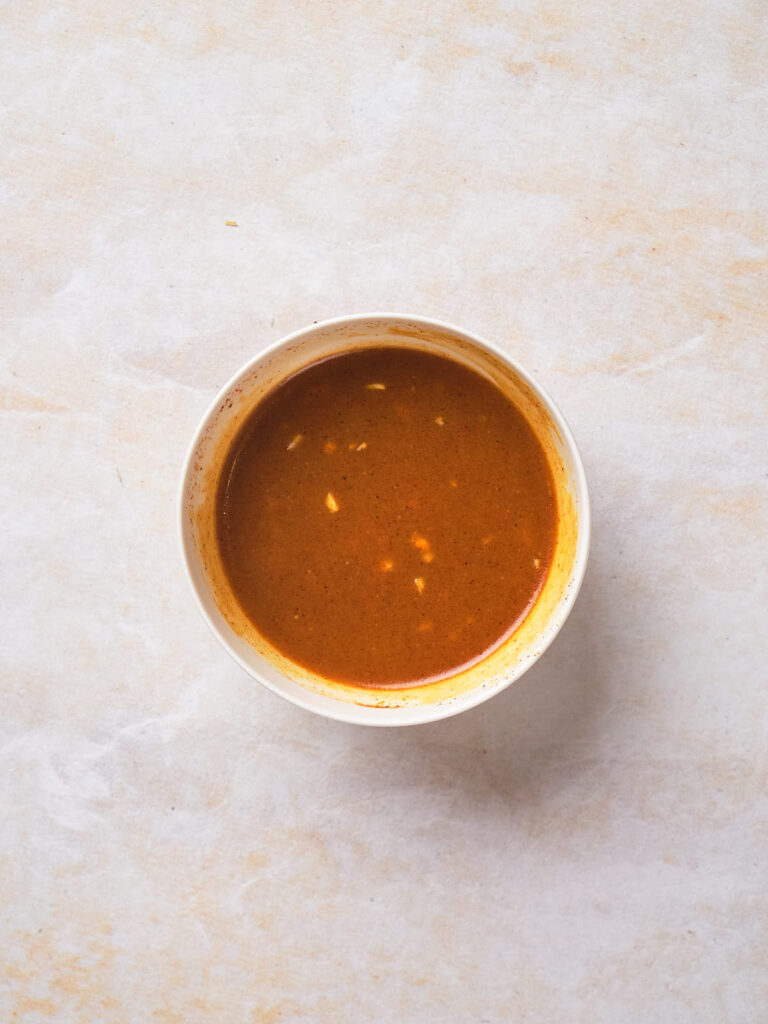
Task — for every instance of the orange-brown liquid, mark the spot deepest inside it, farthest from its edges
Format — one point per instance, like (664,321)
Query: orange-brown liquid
(386,516)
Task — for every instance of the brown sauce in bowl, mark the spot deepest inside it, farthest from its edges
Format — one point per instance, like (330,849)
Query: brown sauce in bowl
(386,516)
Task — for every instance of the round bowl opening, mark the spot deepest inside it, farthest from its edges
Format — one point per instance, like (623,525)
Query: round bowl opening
(366,705)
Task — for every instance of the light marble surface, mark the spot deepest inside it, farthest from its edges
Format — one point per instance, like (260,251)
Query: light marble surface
(586,184)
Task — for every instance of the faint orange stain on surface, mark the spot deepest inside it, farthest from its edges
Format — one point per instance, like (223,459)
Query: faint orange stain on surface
(754,266)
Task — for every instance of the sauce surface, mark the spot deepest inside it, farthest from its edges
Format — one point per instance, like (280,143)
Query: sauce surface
(386,516)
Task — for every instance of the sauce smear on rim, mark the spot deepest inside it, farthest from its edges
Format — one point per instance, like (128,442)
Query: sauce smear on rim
(386,516)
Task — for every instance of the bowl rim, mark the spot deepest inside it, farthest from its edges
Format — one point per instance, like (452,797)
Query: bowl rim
(349,712)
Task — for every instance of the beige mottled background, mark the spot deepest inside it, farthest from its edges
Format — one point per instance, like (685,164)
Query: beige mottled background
(584,183)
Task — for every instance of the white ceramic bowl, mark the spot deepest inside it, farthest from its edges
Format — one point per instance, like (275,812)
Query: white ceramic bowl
(365,705)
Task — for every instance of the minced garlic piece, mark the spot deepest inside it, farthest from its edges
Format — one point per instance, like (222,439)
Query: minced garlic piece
(376,387)
(330,503)
(362,446)
(537,563)
(387,565)
(329,447)
(423,545)
(295,442)
(420,584)
(439,421)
